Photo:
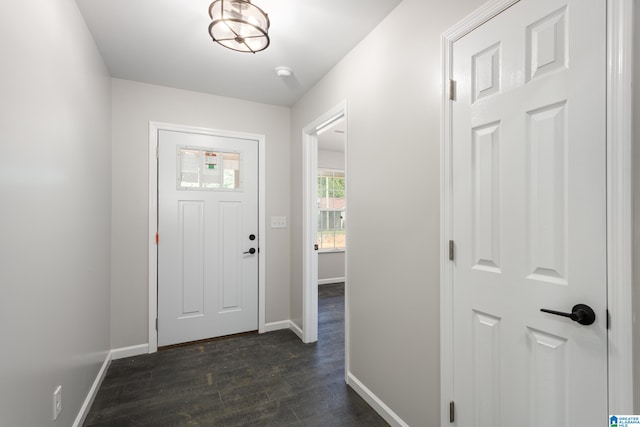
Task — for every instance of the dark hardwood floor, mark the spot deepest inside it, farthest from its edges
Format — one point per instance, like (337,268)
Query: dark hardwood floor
(271,379)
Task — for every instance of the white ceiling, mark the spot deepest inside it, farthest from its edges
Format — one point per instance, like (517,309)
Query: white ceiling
(166,42)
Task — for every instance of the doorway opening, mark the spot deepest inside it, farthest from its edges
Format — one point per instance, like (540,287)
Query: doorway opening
(324,216)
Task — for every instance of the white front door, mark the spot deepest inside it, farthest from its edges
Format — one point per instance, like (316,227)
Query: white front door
(208,236)
(529,217)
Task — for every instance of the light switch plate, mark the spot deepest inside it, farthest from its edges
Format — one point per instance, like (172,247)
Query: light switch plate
(57,402)
(278,222)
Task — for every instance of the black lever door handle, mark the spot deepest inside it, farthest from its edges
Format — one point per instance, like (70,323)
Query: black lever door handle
(580,313)
(250,251)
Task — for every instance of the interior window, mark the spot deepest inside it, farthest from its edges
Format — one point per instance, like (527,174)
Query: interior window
(331,212)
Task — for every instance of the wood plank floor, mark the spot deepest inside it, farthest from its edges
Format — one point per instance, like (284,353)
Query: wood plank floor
(271,379)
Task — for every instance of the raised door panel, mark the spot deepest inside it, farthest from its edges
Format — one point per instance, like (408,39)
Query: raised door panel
(230,246)
(546,49)
(485,197)
(486,369)
(547,402)
(485,72)
(191,257)
(546,182)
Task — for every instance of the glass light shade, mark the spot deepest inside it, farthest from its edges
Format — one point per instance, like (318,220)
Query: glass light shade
(239,25)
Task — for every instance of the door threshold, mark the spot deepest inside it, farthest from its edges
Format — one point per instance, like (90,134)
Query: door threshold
(206,340)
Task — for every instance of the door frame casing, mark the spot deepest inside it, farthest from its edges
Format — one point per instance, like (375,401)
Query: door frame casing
(619,201)
(154,128)
(309,223)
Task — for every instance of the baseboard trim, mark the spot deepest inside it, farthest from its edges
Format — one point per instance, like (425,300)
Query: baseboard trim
(133,350)
(276,326)
(93,391)
(330,280)
(296,330)
(284,324)
(378,405)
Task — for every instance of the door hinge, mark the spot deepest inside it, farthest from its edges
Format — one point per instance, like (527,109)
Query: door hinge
(157,151)
(157,237)
(156,323)
(452,412)
(452,90)
(451,246)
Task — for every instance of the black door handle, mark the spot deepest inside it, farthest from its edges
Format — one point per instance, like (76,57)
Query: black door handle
(250,251)
(580,313)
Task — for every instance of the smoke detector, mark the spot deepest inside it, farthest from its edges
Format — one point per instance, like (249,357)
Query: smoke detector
(284,72)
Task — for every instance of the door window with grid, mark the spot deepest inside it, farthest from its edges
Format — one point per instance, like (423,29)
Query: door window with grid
(331,212)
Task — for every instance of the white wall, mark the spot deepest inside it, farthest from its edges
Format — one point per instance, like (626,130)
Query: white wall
(54,220)
(134,105)
(330,159)
(330,267)
(391,82)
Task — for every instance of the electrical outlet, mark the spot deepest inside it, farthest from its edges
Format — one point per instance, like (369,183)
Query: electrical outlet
(57,402)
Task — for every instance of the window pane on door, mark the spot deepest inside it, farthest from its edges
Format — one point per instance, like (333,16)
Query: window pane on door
(200,169)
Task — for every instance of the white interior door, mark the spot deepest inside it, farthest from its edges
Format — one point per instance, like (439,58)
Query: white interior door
(208,236)
(529,217)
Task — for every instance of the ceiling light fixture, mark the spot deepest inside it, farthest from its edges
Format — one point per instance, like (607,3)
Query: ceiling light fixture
(284,72)
(239,25)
